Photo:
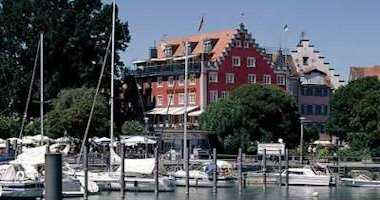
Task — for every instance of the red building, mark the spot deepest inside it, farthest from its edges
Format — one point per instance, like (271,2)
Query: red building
(218,62)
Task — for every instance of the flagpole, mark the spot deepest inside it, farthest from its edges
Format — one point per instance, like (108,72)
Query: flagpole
(112,75)
(286,64)
(186,151)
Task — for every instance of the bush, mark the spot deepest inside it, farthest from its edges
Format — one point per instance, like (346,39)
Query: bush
(132,128)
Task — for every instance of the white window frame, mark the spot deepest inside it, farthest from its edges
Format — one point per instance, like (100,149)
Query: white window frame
(159,81)
(251,62)
(168,51)
(160,100)
(181,80)
(236,58)
(224,94)
(171,81)
(213,77)
(230,78)
(282,77)
(213,95)
(181,98)
(250,81)
(192,98)
(267,79)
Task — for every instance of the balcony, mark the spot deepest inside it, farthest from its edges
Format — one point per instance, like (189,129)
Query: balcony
(166,70)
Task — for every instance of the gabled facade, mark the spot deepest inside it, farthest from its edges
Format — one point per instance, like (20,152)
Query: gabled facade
(317,81)
(218,62)
(361,72)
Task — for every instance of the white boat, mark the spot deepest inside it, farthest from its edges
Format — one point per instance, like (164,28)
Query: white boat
(306,176)
(360,181)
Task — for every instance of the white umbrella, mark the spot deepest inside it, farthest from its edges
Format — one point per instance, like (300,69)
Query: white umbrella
(2,141)
(37,138)
(138,140)
(101,140)
(11,140)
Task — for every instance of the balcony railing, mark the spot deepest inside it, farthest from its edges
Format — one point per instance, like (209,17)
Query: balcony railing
(166,70)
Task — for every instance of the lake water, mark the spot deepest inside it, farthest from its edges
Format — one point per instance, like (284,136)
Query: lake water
(255,192)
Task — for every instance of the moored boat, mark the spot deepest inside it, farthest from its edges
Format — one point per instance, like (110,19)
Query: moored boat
(360,181)
(306,176)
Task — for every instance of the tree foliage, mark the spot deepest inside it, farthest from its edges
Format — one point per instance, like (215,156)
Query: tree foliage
(355,109)
(253,113)
(76,33)
(71,110)
(132,128)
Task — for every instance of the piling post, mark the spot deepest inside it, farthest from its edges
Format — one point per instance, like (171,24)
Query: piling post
(240,165)
(8,148)
(15,148)
(214,174)
(53,178)
(156,170)
(279,168)
(265,167)
(287,167)
(122,170)
(85,160)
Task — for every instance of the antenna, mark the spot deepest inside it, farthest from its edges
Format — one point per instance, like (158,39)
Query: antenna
(303,35)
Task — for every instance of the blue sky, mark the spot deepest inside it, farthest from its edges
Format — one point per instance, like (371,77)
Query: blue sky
(347,32)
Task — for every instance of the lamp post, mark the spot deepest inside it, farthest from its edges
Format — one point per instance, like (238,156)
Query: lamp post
(301,141)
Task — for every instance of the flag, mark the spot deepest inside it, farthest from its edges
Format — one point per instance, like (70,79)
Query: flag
(201,24)
(286,28)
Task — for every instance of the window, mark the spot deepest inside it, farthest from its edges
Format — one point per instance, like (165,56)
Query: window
(170,99)
(160,100)
(238,43)
(181,80)
(246,44)
(325,110)
(213,95)
(208,46)
(213,77)
(168,51)
(325,92)
(280,79)
(251,78)
(251,62)
(309,110)
(318,110)
(170,81)
(318,92)
(224,94)
(159,81)
(309,91)
(230,78)
(192,79)
(305,60)
(303,109)
(267,79)
(236,61)
(192,98)
(181,98)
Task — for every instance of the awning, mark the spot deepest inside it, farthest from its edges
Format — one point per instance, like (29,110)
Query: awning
(156,111)
(171,111)
(182,110)
(196,113)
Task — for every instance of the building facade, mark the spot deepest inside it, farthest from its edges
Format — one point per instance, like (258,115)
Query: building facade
(218,62)
(361,72)
(317,81)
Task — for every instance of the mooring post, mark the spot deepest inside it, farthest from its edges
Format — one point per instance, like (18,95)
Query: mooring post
(287,167)
(85,160)
(215,173)
(8,148)
(265,167)
(156,170)
(240,165)
(122,170)
(48,147)
(15,148)
(279,168)
(53,178)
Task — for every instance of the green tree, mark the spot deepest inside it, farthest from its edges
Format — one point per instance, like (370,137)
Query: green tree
(253,113)
(76,33)
(71,111)
(355,108)
(132,128)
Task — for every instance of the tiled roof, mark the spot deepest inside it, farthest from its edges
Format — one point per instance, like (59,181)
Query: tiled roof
(222,38)
(366,71)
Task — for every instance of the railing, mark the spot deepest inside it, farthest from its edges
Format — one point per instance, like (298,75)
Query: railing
(165,70)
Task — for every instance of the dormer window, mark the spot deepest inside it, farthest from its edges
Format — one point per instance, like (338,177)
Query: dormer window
(208,46)
(305,60)
(168,51)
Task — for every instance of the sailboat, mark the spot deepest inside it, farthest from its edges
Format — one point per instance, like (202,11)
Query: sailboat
(111,179)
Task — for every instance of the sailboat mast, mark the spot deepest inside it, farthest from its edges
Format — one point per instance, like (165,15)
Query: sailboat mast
(42,86)
(185,147)
(112,66)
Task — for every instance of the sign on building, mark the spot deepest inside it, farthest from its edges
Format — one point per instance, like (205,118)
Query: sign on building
(271,148)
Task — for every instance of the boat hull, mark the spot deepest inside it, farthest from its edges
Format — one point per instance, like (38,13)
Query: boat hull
(205,183)
(307,180)
(20,190)
(359,183)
